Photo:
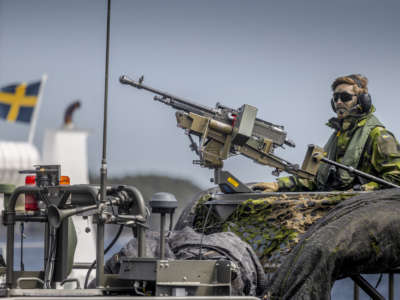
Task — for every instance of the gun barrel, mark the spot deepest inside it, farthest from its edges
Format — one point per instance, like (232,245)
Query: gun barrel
(174,100)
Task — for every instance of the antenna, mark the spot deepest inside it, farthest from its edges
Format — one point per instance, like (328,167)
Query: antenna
(103,169)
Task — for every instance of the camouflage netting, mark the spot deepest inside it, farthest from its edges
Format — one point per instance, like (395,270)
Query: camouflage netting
(360,235)
(272,226)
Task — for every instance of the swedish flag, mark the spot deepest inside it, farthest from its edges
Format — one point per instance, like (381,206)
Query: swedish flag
(18,101)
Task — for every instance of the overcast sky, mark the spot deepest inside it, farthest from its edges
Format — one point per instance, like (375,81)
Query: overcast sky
(280,56)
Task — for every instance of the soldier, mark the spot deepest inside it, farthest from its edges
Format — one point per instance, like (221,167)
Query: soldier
(359,140)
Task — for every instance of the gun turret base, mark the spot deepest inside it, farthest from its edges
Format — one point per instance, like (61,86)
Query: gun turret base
(229,184)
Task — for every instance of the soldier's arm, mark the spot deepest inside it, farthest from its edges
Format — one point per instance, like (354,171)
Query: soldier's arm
(384,157)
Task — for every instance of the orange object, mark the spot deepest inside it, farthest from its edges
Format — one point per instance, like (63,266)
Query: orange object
(64,180)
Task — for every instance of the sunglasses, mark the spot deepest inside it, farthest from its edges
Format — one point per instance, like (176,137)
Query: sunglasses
(344,96)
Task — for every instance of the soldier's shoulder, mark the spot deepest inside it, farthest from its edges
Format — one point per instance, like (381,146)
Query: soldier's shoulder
(380,132)
(384,140)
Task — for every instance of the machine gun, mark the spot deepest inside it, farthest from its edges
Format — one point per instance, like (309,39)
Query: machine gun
(224,132)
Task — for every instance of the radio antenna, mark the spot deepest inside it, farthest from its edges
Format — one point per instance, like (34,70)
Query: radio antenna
(103,169)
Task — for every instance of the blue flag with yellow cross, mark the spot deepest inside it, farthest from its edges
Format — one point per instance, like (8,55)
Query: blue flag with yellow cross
(18,101)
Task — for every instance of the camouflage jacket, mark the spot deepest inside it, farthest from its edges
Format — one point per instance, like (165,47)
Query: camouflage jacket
(380,157)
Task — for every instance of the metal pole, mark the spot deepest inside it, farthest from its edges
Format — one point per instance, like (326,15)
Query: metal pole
(10,255)
(46,242)
(356,292)
(367,287)
(22,226)
(391,286)
(100,254)
(103,170)
(32,128)
(140,234)
(162,236)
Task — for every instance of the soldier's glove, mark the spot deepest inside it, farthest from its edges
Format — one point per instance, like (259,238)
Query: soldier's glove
(368,187)
(267,187)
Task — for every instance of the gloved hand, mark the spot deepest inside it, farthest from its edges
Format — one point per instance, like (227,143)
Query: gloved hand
(266,187)
(370,186)
(367,187)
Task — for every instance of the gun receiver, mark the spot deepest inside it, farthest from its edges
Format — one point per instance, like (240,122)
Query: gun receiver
(224,132)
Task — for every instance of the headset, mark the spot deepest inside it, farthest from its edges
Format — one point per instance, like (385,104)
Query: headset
(364,101)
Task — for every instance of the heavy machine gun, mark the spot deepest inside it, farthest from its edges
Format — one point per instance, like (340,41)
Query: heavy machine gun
(224,132)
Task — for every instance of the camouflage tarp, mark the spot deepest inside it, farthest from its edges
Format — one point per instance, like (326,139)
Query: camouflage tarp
(360,235)
(272,225)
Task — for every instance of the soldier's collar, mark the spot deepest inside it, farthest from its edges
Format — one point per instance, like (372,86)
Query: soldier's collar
(334,123)
(350,122)
(346,124)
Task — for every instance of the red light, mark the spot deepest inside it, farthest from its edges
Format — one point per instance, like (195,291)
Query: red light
(30,180)
(31,203)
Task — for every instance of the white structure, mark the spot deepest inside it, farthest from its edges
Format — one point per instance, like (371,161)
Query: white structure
(15,156)
(68,148)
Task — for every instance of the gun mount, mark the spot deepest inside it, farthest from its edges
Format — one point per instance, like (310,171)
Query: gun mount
(224,132)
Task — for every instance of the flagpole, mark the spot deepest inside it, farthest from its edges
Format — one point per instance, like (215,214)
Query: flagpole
(32,129)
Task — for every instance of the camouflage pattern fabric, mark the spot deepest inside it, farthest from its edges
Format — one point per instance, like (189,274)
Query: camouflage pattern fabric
(360,235)
(272,225)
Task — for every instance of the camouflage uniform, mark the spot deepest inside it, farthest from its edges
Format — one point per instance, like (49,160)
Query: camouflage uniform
(379,156)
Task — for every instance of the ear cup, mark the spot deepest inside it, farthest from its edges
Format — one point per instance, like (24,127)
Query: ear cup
(333,105)
(364,100)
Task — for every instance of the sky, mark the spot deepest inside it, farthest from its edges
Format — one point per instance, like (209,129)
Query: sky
(280,56)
